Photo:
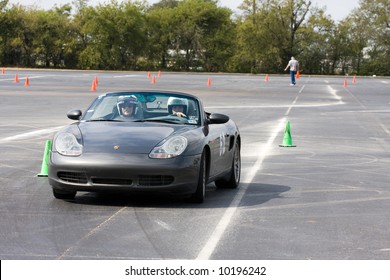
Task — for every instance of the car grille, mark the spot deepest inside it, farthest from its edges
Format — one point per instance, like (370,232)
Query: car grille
(143,180)
(154,180)
(73,177)
(111,181)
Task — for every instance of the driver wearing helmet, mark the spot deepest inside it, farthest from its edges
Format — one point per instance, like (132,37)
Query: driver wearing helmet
(177,106)
(127,106)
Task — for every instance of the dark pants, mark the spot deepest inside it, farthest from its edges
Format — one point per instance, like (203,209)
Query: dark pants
(292,75)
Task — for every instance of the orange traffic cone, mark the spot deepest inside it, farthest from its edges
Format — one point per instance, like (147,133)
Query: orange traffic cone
(93,86)
(16,78)
(345,83)
(27,83)
(354,79)
(96,80)
(298,75)
(159,74)
(2,71)
(209,82)
(266,77)
(154,80)
(149,74)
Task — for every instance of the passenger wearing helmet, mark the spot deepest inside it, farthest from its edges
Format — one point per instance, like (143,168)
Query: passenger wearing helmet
(177,106)
(127,106)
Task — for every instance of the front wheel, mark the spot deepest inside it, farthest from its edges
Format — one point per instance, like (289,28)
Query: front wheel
(200,192)
(233,180)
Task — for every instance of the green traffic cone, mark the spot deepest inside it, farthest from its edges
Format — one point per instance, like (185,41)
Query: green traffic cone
(287,140)
(45,160)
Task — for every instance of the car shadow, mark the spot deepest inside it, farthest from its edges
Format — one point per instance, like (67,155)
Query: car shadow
(255,194)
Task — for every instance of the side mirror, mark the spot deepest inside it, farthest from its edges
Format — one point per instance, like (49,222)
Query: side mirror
(74,114)
(216,118)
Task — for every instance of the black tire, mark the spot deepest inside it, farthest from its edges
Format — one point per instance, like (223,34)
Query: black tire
(233,180)
(200,192)
(63,194)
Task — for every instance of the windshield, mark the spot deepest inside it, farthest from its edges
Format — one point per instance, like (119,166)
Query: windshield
(144,106)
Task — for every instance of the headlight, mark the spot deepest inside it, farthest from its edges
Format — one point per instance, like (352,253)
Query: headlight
(170,148)
(66,144)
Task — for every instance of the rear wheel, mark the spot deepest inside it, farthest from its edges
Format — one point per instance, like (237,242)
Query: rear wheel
(233,180)
(63,194)
(200,193)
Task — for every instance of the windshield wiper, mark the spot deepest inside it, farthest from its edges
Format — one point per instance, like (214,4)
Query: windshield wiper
(159,120)
(104,120)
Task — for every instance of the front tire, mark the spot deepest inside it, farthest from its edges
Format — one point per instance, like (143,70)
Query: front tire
(200,192)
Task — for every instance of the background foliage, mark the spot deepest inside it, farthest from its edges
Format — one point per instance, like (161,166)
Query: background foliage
(197,35)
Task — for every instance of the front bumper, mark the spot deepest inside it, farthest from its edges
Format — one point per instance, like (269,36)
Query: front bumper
(108,172)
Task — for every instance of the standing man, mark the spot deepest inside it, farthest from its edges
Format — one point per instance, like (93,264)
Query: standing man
(294,67)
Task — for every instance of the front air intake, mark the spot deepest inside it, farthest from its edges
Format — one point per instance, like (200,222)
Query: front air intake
(155,180)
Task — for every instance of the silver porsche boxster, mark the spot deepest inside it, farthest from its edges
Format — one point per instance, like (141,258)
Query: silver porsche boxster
(145,141)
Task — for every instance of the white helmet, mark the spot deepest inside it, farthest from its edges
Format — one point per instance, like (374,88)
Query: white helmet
(174,101)
(126,100)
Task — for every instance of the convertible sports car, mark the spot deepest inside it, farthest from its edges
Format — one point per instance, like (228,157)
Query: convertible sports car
(145,141)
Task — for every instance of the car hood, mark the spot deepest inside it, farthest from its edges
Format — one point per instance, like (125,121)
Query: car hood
(125,137)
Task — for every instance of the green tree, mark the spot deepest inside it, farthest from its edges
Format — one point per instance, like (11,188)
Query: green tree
(17,36)
(160,30)
(268,31)
(317,54)
(166,4)
(203,36)
(197,35)
(115,36)
(53,29)
(217,42)
(372,30)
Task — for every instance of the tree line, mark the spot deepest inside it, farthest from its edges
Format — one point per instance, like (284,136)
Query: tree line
(197,35)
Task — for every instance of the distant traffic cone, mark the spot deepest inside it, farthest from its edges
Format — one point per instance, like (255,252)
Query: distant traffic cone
(16,78)
(354,79)
(2,71)
(159,74)
(149,74)
(209,82)
(27,83)
(287,140)
(93,86)
(298,75)
(345,83)
(45,161)
(96,80)
(266,77)
(154,79)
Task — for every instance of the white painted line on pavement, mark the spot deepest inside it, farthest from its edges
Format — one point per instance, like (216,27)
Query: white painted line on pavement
(126,76)
(333,92)
(30,134)
(221,227)
(275,106)
(22,78)
(218,232)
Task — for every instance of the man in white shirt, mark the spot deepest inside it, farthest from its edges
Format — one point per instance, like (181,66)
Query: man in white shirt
(294,67)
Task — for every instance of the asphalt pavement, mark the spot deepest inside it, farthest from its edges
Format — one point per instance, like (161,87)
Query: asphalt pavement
(326,198)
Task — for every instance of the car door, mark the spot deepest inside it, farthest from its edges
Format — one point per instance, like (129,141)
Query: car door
(219,145)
